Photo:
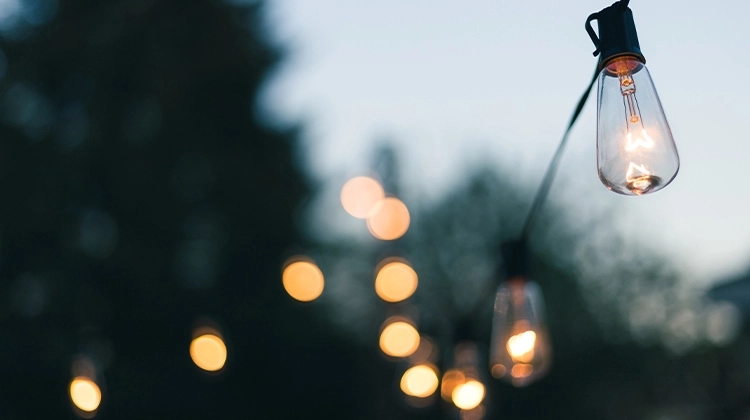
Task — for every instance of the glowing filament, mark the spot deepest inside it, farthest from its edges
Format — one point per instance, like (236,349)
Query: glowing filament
(468,395)
(521,346)
(644,140)
(636,172)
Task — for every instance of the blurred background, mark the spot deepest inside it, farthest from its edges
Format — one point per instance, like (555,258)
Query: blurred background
(179,178)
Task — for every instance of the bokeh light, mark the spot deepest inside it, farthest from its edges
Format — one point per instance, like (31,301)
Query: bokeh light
(521,346)
(395,281)
(468,395)
(208,352)
(390,221)
(361,196)
(419,381)
(399,339)
(85,394)
(451,379)
(303,280)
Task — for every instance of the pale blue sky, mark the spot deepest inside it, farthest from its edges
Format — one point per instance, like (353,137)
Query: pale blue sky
(457,81)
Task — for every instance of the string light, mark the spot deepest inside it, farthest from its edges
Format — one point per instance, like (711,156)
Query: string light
(399,338)
(390,221)
(85,394)
(420,381)
(395,280)
(302,279)
(519,350)
(468,395)
(636,153)
(361,196)
(208,352)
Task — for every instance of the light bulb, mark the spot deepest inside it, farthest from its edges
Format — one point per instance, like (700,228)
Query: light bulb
(636,154)
(519,351)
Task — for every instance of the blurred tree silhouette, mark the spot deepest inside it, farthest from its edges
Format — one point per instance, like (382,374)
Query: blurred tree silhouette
(140,193)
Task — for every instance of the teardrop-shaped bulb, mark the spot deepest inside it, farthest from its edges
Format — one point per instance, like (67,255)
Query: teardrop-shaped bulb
(520,350)
(636,154)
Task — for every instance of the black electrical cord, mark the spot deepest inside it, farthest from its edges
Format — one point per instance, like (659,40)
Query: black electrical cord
(549,176)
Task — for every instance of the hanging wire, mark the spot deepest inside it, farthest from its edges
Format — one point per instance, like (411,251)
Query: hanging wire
(549,175)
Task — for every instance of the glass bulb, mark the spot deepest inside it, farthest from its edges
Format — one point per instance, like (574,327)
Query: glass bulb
(519,351)
(636,154)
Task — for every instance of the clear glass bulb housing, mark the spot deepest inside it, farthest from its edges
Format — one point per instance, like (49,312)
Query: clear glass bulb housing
(519,351)
(636,154)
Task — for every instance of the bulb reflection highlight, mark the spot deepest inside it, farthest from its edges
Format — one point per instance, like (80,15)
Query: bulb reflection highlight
(419,381)
(396,281)
(85,394)
(399,339)
(468,395)
(208,352)
(361,196)
(303,280)
(390,221)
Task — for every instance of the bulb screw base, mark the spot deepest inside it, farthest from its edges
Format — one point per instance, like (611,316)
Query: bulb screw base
(617,34)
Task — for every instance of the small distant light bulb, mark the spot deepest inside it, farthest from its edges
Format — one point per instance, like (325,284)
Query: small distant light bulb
(519,351)
(85,394)
(468,395)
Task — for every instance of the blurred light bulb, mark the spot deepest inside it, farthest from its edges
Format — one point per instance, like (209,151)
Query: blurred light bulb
(468,394)
(419,381)
(361,196)
(303,280)
(395,281)
(390,220)
(208,352)
(519,351)
(85,394)
(399,339)
(636,153)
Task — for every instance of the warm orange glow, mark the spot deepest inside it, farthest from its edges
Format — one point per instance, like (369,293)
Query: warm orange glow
(521,346)
(419,381)
(85,394)
(521,370)
(468,395)
(208,352)
(396,281)
(451,379)
(361,196)
(303,280)
(390,221)
(399,339)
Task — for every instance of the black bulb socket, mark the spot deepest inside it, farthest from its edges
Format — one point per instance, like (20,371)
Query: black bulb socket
(516,259)
(617,35)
